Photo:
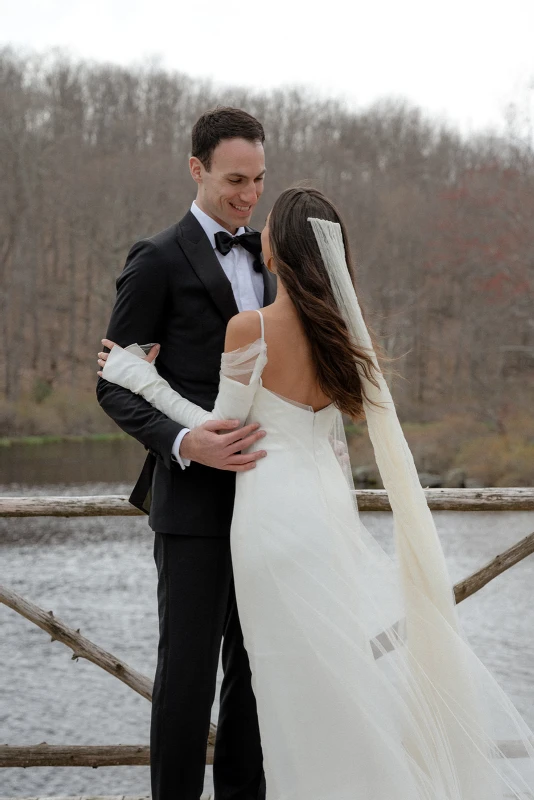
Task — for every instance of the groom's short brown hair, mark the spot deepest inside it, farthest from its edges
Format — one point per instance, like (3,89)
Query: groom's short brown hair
(221,123)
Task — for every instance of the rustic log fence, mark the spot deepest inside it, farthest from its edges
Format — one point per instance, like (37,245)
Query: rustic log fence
(117,505)
(44,755)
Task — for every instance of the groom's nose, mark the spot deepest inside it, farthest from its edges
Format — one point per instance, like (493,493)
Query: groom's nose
(249,194)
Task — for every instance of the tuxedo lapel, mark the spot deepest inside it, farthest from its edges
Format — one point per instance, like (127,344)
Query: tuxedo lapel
(199,252)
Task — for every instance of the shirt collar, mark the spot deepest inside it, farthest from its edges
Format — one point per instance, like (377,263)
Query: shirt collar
(209,225)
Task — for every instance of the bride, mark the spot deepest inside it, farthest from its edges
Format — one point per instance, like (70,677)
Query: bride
(365,685)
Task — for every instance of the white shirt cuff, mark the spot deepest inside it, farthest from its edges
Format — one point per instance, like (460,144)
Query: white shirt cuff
(183,462)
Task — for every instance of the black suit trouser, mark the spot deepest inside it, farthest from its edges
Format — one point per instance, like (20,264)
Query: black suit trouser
(197,609)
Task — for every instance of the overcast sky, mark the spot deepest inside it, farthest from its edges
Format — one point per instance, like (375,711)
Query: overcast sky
(462,59)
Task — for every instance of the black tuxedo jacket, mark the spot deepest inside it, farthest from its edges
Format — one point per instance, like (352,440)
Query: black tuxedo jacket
(174,291)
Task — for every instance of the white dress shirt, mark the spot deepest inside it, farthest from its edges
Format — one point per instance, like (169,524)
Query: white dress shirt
(247,285)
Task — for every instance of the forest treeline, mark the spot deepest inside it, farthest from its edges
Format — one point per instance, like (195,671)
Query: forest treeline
(94,156)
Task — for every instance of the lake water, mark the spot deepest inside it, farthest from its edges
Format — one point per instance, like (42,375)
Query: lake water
(98,574)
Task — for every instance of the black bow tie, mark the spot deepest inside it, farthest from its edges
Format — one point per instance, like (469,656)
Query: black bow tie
(251,241)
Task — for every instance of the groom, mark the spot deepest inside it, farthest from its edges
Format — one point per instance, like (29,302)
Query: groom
(180,288)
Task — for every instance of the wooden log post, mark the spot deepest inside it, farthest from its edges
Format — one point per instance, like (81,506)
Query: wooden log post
(96,797)
(80,646)
(493,568)
(83,647)
(114,755)
(112,505)
(515,499)
(45,755)
(59,755)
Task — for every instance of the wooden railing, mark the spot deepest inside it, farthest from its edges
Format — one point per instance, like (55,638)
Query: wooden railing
(44,755)
(117,505)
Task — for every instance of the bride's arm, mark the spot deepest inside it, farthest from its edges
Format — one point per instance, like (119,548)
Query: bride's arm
(141,377)
(241,366)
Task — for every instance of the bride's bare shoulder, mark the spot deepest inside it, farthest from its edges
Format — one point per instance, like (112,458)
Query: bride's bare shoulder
(242,329)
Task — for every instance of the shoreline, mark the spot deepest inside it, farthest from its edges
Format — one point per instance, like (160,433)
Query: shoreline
(9,441)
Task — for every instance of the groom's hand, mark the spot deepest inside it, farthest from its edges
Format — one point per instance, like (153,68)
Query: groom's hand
(218,443)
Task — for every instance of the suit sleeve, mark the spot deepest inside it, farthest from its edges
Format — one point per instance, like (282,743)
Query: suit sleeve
(141,304)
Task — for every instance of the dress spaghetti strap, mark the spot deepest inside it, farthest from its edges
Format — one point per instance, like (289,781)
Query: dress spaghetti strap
(262,325)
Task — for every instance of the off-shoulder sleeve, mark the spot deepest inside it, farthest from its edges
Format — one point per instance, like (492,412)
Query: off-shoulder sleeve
(240,379)
(127,369)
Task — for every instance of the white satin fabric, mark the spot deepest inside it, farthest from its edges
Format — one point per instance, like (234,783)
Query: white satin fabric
(347,708)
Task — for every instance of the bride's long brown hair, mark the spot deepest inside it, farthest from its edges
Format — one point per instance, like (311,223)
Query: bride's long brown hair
(302,271)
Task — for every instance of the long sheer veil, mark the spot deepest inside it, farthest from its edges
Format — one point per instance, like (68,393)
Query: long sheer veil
(458,725)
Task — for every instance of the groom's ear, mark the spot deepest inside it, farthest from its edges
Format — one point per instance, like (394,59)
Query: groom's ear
(196,167)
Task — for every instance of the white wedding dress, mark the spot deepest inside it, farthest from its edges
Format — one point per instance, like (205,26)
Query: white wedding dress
(346,708)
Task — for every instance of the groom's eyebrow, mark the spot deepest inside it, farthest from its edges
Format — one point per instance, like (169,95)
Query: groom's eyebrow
(239,175)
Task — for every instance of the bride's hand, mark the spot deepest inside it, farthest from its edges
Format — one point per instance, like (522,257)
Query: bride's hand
(341,452)
(102,357)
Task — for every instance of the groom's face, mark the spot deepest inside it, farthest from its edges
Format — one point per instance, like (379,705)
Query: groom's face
(230,190)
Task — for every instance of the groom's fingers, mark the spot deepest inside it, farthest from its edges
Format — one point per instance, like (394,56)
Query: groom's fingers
(241,463)
(215,425)
(241,434)
(244,444)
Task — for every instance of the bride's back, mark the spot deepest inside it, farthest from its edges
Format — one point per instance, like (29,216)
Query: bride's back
(290,370)
(306,317)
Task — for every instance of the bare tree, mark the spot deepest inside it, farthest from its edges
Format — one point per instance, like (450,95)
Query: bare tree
(93,157)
